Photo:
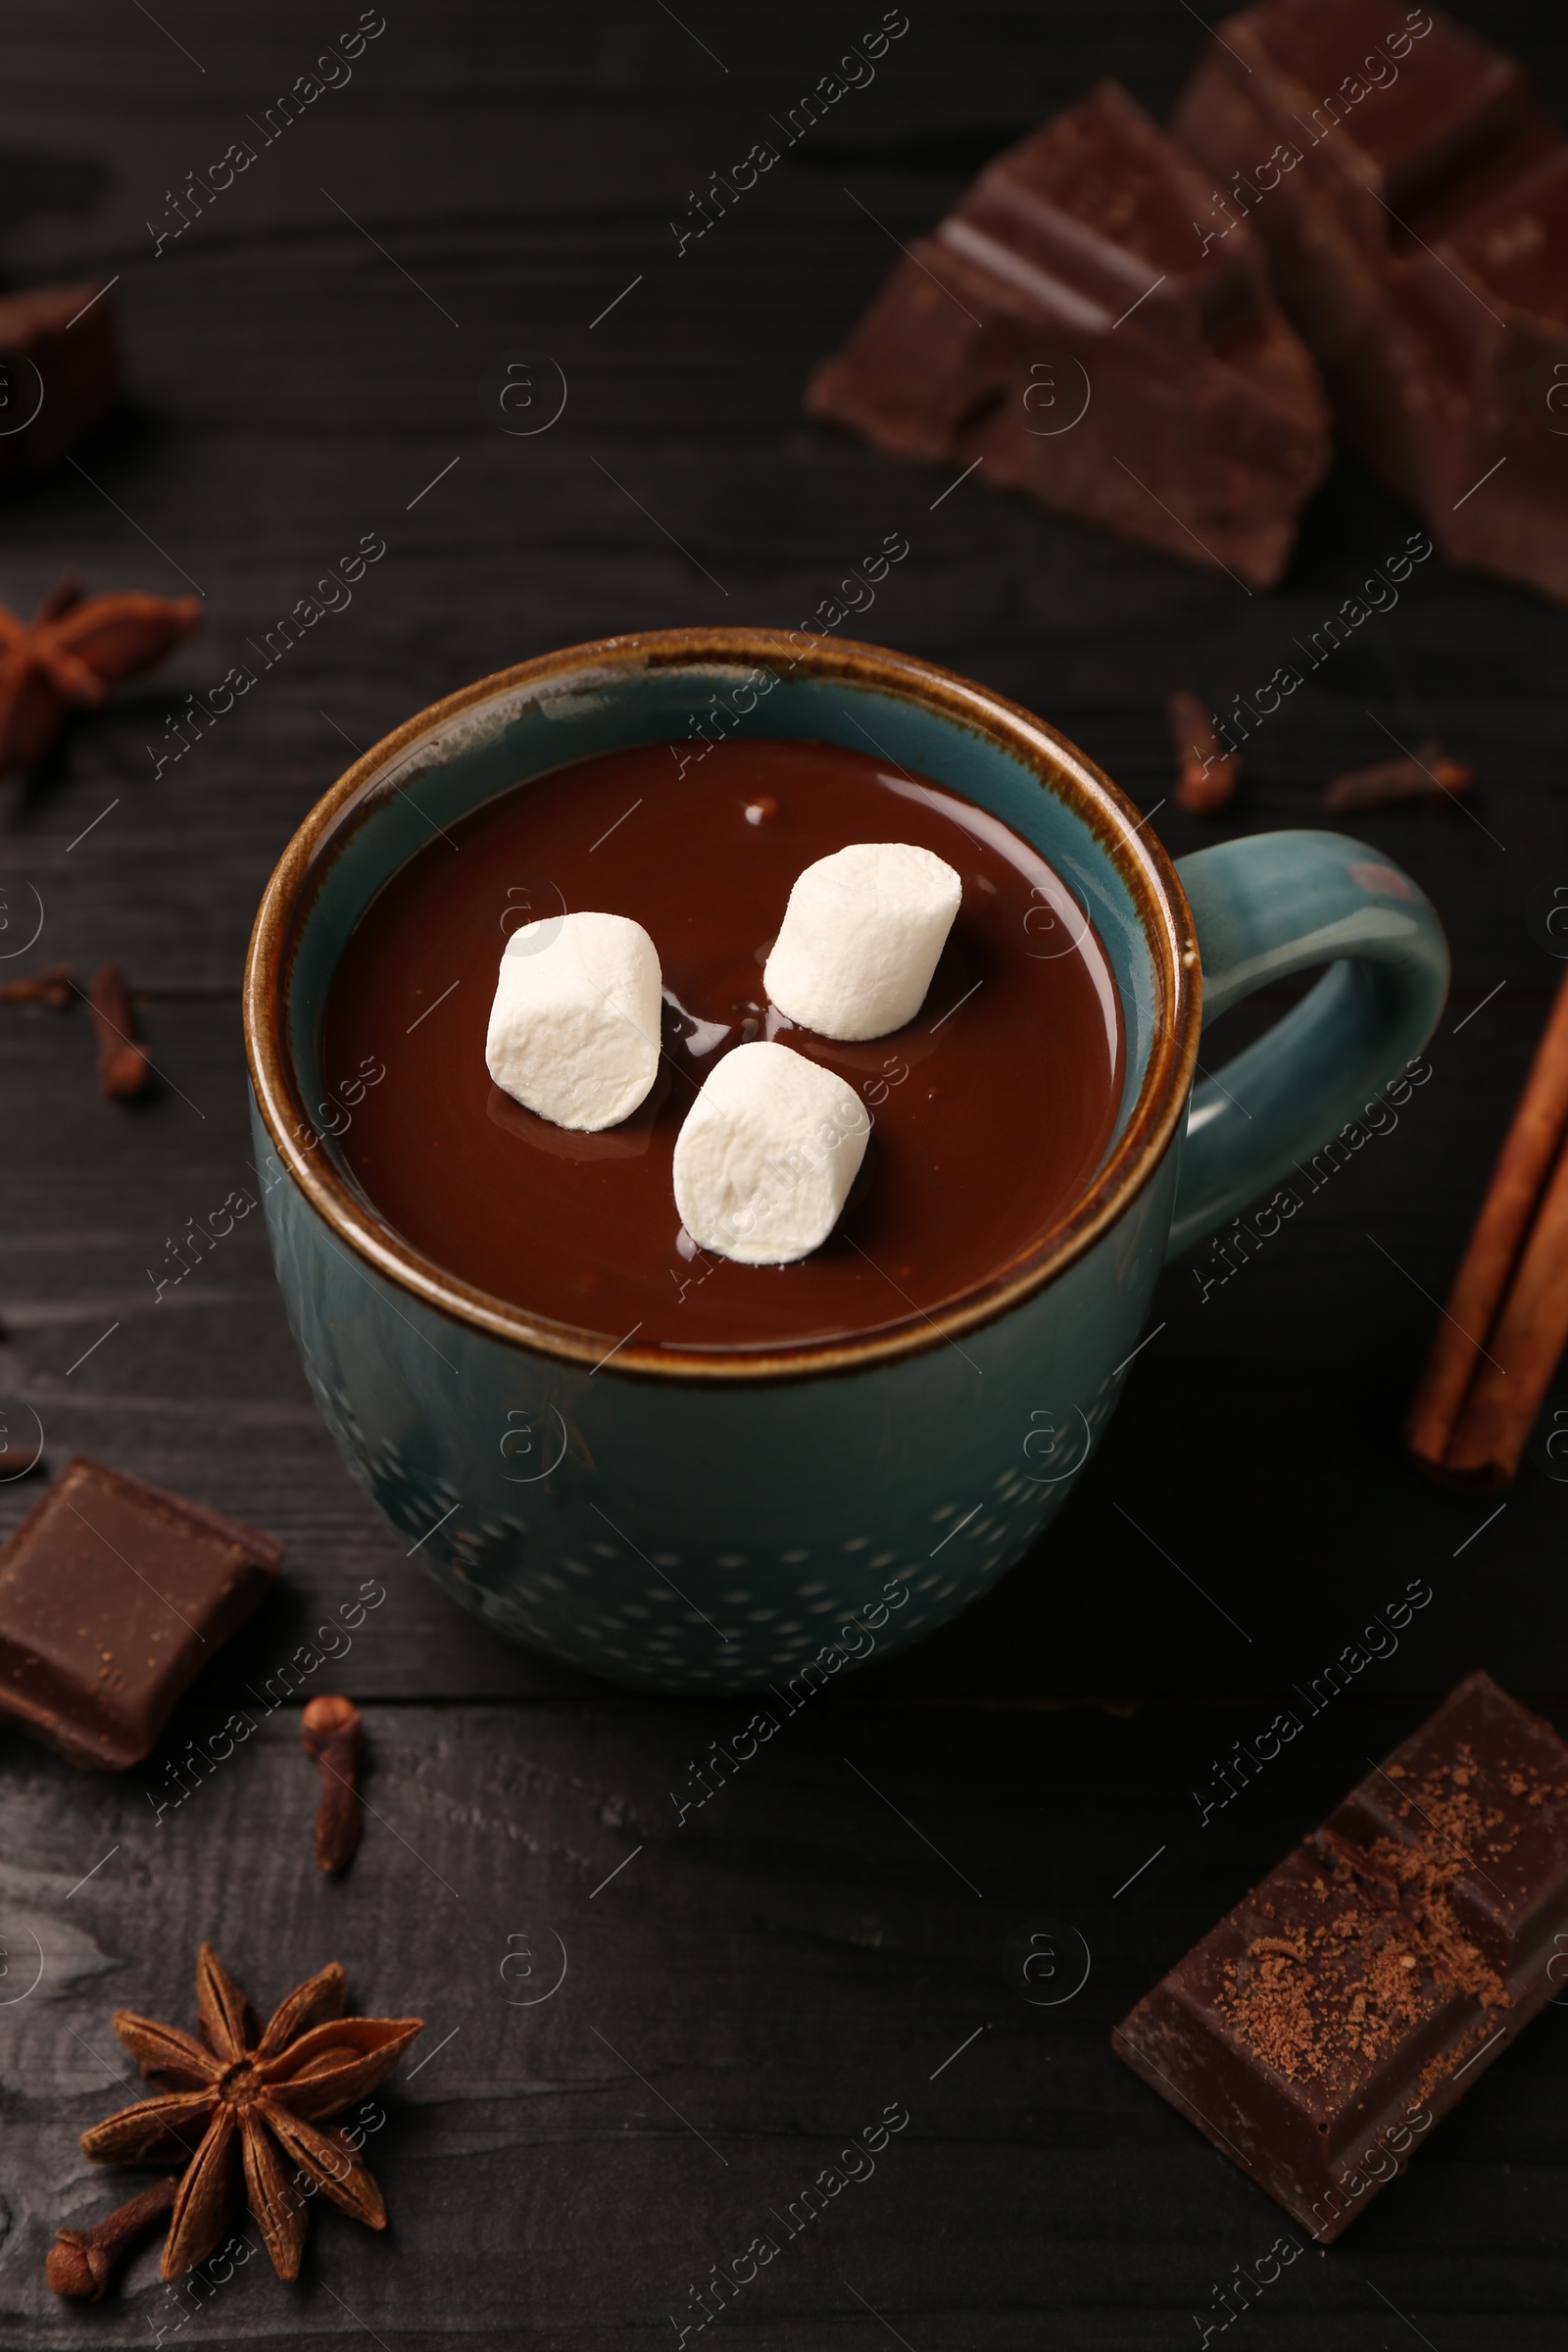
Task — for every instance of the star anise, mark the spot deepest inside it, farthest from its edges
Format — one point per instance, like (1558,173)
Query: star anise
(72,651)
(259,2097)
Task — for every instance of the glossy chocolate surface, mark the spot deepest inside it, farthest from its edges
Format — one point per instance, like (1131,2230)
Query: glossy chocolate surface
(991,1109)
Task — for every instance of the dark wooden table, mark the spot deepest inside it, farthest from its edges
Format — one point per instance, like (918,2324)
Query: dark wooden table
(320,354)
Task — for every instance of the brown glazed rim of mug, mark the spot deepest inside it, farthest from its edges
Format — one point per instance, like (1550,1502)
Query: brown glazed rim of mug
(1139,859)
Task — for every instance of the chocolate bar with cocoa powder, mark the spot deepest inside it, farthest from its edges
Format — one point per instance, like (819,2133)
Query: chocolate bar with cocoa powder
(1355,1995)
(1062,334)
(1412,194)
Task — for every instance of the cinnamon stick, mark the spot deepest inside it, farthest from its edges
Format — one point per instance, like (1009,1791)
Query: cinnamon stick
(1485,1271)
(1521,1355)
(122,1066)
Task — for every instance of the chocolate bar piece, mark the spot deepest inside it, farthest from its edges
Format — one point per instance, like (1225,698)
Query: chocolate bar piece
(58,372)
(1357,1995)
(1413,197)
(1062,328)
(112,1596)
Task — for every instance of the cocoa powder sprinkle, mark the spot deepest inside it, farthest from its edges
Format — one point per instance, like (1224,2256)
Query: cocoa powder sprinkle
(1388,1946)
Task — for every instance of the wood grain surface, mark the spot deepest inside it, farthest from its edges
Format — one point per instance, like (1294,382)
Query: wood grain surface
(319,355)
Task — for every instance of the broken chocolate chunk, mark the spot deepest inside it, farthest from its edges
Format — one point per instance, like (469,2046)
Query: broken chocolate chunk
(1412,194)
(1062,331)
(112,1596)
(1354,1996)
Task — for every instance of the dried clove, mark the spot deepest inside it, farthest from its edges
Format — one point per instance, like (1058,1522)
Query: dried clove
(122,1066)
(56,986)
(1207,779)
(1426,775)
(81,2262)
(332,1732)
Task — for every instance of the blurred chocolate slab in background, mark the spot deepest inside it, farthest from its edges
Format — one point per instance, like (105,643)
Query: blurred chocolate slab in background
(1066,330)
(1412,193)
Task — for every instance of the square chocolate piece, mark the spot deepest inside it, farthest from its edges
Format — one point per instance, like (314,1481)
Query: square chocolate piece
(1359,1992)
(113,1595)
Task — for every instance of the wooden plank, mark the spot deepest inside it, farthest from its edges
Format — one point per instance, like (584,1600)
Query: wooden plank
(755,1986)
(788,1959)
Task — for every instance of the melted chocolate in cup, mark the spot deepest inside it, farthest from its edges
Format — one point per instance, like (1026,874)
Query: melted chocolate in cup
(991,1111)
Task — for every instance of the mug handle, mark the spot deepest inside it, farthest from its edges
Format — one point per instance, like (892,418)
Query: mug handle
(1265,906)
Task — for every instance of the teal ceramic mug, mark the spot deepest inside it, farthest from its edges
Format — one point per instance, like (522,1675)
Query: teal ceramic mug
(701,1521)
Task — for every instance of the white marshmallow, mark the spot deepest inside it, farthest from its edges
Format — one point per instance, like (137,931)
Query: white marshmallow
(575,1024)
(860,938)
(766,1156)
